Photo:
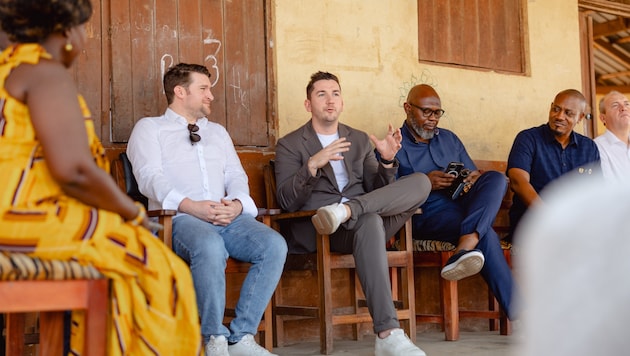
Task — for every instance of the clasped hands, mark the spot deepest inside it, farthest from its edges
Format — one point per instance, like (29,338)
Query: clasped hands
(220,213)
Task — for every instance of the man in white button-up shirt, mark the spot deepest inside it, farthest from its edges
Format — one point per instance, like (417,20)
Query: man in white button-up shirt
(614,144)
(184,162)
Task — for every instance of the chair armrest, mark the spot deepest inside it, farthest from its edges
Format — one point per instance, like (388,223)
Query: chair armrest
(292,215)
(158,213)
(165,218)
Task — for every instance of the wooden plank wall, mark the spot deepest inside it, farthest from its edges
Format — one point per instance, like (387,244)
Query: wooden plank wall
(131,43)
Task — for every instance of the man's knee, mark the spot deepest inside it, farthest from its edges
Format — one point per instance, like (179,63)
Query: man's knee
(420,183)
(495,178)
(369,230)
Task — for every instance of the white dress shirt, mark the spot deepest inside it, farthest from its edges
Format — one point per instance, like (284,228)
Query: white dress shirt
(169,168)
(615,157)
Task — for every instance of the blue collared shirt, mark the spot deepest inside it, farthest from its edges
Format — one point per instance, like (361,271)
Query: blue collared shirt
(537,152)
(443,148)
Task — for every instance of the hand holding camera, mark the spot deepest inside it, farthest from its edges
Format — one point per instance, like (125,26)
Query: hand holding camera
(459,187)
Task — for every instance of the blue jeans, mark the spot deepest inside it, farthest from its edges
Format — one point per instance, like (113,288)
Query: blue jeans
(447,220)
(206,248)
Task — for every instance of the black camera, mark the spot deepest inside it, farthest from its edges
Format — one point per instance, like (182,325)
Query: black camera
(458,188)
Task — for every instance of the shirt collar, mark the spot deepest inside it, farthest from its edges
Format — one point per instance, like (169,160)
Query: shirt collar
(171,115)
(550,137)
(406,133)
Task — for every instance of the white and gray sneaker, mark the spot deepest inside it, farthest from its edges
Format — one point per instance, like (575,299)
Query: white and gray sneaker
(248,347)
(329,217)
(217,346)
(396,344)
(464,263)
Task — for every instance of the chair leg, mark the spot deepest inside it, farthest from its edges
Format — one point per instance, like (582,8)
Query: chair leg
(96,317)
(268,333)
(15,333)
(493,305)
(355,292)
(325,296)
(450,303)
(51,333)
(505,326)
(409,298)
(278,320)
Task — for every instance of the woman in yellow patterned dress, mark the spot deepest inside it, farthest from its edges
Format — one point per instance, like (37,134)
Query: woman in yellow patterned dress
(57,200)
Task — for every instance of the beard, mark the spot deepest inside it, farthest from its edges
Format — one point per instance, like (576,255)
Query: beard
(422,133)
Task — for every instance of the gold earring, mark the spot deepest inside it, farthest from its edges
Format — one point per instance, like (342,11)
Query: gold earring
(68,47)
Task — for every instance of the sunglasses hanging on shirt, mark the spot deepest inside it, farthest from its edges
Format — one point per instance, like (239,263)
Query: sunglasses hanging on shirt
(194,137)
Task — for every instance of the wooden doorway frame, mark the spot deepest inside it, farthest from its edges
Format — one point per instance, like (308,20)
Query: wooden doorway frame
(586,49)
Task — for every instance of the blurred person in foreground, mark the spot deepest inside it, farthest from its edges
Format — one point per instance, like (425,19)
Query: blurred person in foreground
(574,267)
(541,154)
(614,143)
(58,200)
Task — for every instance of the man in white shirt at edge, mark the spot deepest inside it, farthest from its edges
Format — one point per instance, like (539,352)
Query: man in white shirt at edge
(184,162)
(614,143)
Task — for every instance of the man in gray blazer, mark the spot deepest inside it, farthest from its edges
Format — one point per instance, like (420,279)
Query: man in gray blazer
(332,167)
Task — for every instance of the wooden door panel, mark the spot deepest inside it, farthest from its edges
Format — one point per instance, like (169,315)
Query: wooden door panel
(147,37)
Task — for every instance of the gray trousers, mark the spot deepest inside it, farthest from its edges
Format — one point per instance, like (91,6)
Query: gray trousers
(376,216)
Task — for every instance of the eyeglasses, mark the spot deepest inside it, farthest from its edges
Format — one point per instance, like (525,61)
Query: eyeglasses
(194,138)
(426,112)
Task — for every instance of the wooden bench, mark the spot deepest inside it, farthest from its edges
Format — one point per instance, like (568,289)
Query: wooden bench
(23,290)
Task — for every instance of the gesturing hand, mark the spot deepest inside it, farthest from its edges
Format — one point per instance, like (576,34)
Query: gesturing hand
(332,152)
(389,145)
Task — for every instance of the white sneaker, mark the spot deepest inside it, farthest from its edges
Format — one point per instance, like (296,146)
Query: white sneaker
(248,347)
(463,264)
(217,346)
(396,344)
(329,217)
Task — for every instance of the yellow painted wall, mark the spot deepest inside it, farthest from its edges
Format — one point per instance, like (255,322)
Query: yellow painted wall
(372,46)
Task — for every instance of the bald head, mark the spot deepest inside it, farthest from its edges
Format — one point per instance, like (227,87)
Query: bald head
(572,93)
(423,109)
(421,91)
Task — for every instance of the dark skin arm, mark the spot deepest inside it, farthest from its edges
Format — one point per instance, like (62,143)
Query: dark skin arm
(51,96)
(519,182)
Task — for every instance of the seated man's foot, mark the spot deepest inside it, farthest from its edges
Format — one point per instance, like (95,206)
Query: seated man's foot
(217,346)
(329,217)
(397,343)
(248,347)
(463,264)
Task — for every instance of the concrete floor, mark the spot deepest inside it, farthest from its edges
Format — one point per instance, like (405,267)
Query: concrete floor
(480,343)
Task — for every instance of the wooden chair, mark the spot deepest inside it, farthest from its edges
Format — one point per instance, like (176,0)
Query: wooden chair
(434,254)
(324,262)
(123,174)
(22,291)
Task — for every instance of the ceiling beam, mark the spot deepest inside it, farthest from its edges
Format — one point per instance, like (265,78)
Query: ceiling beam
(608,7)
(611,27)
(613,75)
(603,90)
(611,51)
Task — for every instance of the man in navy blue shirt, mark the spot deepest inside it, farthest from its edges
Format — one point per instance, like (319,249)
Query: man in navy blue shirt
(541,154)
(465,221)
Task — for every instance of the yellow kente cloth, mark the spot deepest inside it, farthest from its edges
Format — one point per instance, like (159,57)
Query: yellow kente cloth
(153,308)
